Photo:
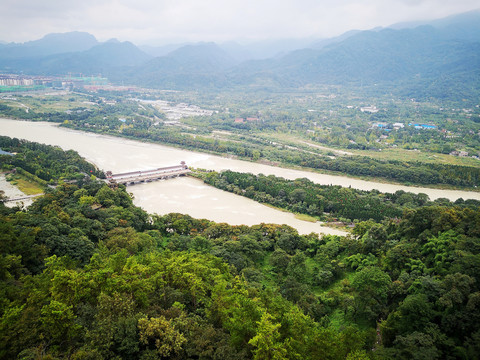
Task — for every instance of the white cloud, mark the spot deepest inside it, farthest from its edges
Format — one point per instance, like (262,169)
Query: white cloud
(144,21)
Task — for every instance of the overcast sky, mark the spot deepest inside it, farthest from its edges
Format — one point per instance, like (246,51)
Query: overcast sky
(162,21)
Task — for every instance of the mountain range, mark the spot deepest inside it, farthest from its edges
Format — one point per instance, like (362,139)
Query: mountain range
(440,58)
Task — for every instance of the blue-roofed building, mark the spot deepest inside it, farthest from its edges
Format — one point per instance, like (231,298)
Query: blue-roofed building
(423,126)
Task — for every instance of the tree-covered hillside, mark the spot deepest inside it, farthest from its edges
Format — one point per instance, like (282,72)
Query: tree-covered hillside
(87,275)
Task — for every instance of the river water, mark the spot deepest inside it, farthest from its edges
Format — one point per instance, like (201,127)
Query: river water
(187,195)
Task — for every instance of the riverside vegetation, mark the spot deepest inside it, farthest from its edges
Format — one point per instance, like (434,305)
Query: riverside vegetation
(305,197)
(87,275)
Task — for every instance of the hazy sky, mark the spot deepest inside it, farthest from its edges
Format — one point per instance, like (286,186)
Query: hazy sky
(162,21)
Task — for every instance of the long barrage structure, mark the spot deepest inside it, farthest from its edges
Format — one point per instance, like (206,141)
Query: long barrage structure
(140,176)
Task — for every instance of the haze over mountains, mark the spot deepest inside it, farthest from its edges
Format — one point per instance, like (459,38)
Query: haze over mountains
(439,56)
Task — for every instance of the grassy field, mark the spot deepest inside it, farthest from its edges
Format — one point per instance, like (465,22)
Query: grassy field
(305,217)
(416,155)
(43,103)
(26,186)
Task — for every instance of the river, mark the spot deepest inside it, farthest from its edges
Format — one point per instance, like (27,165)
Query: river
(189,195)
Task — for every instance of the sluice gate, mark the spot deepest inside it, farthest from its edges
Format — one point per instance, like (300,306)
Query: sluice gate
(140,176)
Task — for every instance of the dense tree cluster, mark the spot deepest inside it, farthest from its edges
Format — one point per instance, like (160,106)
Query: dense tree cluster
(85,274)
(44,161)
(91,281)
(412,172)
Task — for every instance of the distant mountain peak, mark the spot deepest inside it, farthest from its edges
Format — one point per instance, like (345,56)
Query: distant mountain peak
(68,34)
(65,42)
(50,44)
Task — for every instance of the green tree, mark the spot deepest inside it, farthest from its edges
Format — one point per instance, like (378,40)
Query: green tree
(267,341)
(372,286)
(159,335)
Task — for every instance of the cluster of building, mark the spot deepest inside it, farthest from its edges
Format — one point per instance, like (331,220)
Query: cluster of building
(178,111)
(459,153)
(370,109)
(104,87)
(397,126)
(25,82)
(22,80)
(423,126)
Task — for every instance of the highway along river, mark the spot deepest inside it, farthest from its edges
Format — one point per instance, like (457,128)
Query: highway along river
(188,195)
